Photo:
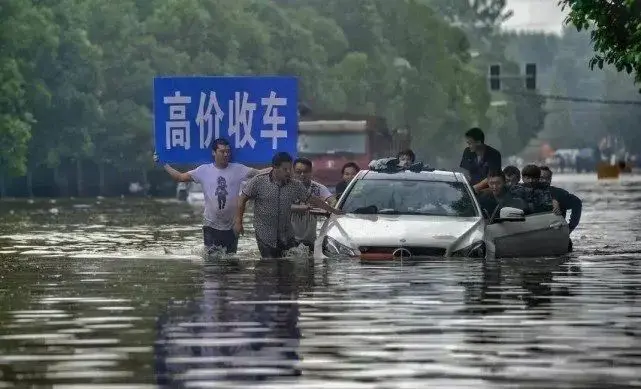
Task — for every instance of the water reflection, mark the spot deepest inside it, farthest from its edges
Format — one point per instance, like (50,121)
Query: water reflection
(531,282)
(112,293)
(235,333)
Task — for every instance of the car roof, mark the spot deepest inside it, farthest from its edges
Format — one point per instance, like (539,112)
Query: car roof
(432,175)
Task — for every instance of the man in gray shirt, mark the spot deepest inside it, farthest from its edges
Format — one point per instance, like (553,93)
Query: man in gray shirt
(303,221)
(274,193)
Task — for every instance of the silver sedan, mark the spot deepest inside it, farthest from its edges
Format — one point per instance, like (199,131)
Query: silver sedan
(405,214)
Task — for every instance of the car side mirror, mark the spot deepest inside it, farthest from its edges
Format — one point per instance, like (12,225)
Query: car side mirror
(510,214)
(318,212)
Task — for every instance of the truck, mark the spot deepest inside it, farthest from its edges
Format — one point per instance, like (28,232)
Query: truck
(332,140)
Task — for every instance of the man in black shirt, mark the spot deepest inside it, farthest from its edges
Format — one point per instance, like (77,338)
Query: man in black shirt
(536,194)
(566,200)
(498,196)
(479,159)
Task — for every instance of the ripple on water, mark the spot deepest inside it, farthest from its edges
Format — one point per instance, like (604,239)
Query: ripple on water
(115,294)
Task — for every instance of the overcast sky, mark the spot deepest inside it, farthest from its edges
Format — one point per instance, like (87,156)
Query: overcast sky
(538,15)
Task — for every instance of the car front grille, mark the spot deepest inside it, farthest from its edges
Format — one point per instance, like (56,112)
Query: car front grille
(414,251)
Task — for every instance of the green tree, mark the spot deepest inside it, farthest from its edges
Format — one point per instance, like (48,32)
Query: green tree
(128,55)
(406,63)
(516,115)
(76,75)
(22,28)
(615,29)
(575,124)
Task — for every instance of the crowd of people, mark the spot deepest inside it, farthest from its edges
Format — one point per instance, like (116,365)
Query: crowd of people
(285,193)
(529,189)
(282,194)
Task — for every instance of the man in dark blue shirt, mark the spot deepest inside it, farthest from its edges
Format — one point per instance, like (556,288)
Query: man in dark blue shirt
(479,159)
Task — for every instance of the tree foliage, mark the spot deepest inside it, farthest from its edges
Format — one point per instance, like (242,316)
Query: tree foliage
(76,75)
(615,31)
(564,71)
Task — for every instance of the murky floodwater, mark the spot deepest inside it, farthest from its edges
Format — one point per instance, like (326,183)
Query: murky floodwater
(114,294)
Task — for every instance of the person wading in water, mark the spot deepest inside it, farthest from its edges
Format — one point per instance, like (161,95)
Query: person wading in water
(221,182)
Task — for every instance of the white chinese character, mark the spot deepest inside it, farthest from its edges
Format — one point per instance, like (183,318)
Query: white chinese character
(204,116)
(241,117)
(177,128)
(271,117)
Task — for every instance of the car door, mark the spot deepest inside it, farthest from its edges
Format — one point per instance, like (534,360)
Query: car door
(540,235)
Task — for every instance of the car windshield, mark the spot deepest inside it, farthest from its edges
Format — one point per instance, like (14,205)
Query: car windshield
(195,188)
(410,197)
(332,143)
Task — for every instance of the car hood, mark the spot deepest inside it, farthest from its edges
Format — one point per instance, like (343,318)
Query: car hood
(390,230)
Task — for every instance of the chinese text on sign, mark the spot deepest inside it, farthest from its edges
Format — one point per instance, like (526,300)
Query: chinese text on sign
(258,115)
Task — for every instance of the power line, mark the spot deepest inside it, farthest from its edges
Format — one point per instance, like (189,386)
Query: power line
(578,99)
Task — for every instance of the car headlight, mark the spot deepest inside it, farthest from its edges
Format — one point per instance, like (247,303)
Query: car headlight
(332,248)
(475,250)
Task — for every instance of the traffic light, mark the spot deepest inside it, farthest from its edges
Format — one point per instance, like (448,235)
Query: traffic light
(530,76)
(495,77)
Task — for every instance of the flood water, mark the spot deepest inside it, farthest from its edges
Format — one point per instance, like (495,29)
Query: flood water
(113,293)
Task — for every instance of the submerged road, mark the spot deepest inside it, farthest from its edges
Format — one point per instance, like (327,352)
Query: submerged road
(113,293)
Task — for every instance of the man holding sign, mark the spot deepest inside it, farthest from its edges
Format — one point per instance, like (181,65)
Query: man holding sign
(221,182)
(257,114)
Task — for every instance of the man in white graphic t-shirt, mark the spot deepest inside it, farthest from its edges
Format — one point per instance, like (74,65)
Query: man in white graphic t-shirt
(304,223)
(221,182)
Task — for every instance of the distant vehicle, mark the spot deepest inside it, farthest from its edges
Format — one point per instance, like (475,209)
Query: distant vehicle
(195,195)
(397,214)
(330,141)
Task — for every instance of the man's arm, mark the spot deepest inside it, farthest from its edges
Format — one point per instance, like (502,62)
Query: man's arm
(240,214)
(254,172)
(178,176)
(494,165)
(250,191)
(327,195)
(485,192)
(331,200)
(320,203)
(575,205)
(479,186)
(300,208)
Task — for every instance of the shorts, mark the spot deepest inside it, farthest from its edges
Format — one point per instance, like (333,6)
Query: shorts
(221,238)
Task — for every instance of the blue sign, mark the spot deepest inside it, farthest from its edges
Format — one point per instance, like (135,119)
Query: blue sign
(258,115)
